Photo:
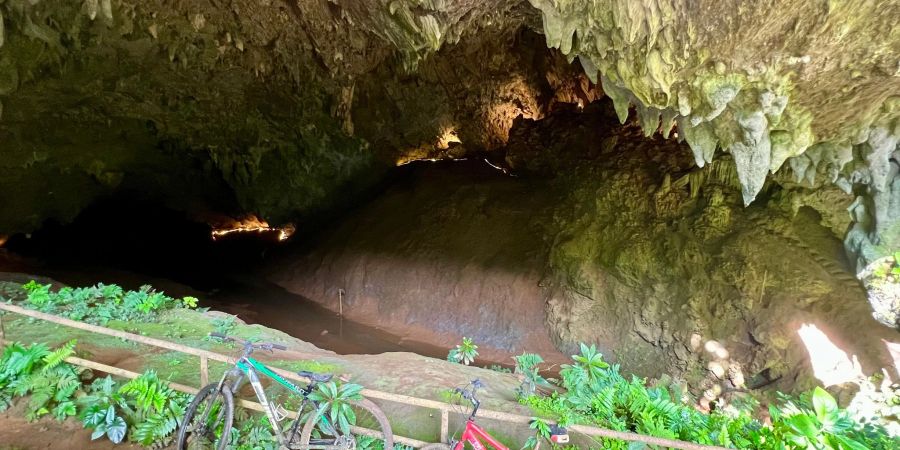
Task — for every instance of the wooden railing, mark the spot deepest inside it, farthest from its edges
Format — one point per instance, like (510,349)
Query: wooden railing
(206,355)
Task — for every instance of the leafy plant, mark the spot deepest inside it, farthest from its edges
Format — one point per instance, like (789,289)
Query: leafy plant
(189,302)
(105,422)
(464,353)
(371,443)
(826,426)
(596,393)
(334,404)
(541,431)
(41,373)
(38,294)
(224,325)
(588,369)
(527,368)
(253,434)
(101,303)
(145,408)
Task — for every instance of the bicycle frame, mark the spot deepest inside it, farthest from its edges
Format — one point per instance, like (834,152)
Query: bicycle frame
(249,367)
(474,435)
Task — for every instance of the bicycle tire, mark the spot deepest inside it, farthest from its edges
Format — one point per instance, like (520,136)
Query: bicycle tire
(228,404)
(435,447)
(364,404)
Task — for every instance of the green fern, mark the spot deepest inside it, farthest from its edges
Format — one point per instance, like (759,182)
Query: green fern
(149,393)
(20,360)
(154,428)
(56,357)
(156,408)
(40,372)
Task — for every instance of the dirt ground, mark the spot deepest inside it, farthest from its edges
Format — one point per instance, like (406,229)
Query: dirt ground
(18,433)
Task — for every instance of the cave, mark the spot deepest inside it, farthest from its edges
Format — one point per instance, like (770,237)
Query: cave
(684,185)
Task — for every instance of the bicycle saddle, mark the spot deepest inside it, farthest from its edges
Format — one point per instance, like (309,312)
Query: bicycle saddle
(316,377)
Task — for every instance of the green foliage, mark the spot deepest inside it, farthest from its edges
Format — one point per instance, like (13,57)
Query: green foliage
(499,368)
(464,353)
(38,295)
(145,408)
(255,433)
(333,404)
(596,393)
(588,370)
(41,373)
(527,365)
(224,325)
(156,408)
(101,303)
(189,302)
(370,443)
(105,422)
(541,431)
(825,426)
(889,271)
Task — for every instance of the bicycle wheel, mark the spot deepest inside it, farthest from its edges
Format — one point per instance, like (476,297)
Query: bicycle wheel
(370,422)
(207,421)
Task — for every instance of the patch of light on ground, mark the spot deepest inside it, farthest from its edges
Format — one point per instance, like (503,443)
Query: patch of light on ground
(894,350)
(830,364)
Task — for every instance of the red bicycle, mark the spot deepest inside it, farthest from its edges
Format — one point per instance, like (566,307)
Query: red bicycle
(476,436)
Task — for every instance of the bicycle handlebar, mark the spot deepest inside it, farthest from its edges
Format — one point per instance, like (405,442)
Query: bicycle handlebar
(250,346)
(469,392)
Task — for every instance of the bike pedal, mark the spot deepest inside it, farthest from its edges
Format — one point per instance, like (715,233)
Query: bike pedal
(280,413)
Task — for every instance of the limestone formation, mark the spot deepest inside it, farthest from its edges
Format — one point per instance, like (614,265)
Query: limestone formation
(752,80)
(288,109)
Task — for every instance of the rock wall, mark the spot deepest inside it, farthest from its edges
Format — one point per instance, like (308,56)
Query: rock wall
(603,237)
(453,250)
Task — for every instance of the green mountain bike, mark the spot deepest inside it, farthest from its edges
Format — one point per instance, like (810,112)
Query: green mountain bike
(208,420)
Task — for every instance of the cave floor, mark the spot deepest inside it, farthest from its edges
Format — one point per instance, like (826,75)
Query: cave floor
(397,372)
(18,433)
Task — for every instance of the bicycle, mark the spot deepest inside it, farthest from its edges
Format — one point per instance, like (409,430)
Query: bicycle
(477,436)
(214,407)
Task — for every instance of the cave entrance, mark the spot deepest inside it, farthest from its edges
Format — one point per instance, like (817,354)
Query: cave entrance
(578,229)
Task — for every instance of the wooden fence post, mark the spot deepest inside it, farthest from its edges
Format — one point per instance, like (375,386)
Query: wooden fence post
(445,426)
(204,371)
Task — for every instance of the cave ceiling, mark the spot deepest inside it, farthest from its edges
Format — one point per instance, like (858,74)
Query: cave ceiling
(286,108)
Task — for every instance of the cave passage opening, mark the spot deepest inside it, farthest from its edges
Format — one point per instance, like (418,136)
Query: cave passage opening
(132,239)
